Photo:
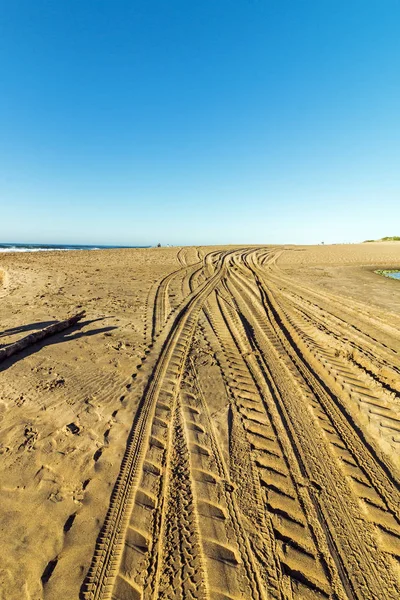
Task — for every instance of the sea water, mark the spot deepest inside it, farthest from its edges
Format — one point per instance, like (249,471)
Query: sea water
(48,247)
(394,275)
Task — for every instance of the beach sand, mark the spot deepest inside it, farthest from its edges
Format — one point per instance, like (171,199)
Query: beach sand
(194,436)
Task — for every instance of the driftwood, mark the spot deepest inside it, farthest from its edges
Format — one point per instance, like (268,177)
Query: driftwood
(31,339)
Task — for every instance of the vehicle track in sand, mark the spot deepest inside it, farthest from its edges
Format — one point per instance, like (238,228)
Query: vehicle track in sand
(354,546)
(262,459)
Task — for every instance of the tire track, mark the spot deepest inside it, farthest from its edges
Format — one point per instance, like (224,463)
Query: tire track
(336,307)
(163,303)
(303,552)
(294,499)
(364,395)
(351,546)
(383,363)
(161,390)
(225,550)
(380,497)
(379,471)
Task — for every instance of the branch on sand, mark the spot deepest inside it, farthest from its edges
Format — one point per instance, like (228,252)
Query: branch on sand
(33,338)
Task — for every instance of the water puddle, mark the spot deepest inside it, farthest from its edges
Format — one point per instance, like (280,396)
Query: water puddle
(393,274)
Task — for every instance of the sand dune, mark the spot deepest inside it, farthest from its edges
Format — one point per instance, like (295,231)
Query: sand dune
(223,424)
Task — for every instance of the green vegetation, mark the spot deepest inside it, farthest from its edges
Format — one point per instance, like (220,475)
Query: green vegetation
(392,238)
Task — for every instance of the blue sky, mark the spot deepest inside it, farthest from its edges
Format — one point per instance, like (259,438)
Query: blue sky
(199,122)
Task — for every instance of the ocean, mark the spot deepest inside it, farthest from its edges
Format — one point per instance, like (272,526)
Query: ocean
(61,247)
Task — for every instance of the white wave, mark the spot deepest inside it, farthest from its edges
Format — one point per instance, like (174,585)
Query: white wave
(32,249)
(22,249)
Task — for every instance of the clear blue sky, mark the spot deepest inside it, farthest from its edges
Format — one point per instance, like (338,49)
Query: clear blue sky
(199,121)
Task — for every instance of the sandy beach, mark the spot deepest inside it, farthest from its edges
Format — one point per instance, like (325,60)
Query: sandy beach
(222,424)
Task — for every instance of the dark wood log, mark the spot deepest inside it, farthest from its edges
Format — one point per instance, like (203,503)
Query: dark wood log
(33,338)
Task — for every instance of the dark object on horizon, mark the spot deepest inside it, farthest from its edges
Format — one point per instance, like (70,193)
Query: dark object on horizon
(31,339)
(158,245)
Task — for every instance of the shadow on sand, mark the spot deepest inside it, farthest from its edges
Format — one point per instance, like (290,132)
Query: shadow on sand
(22,328)
(69,335)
